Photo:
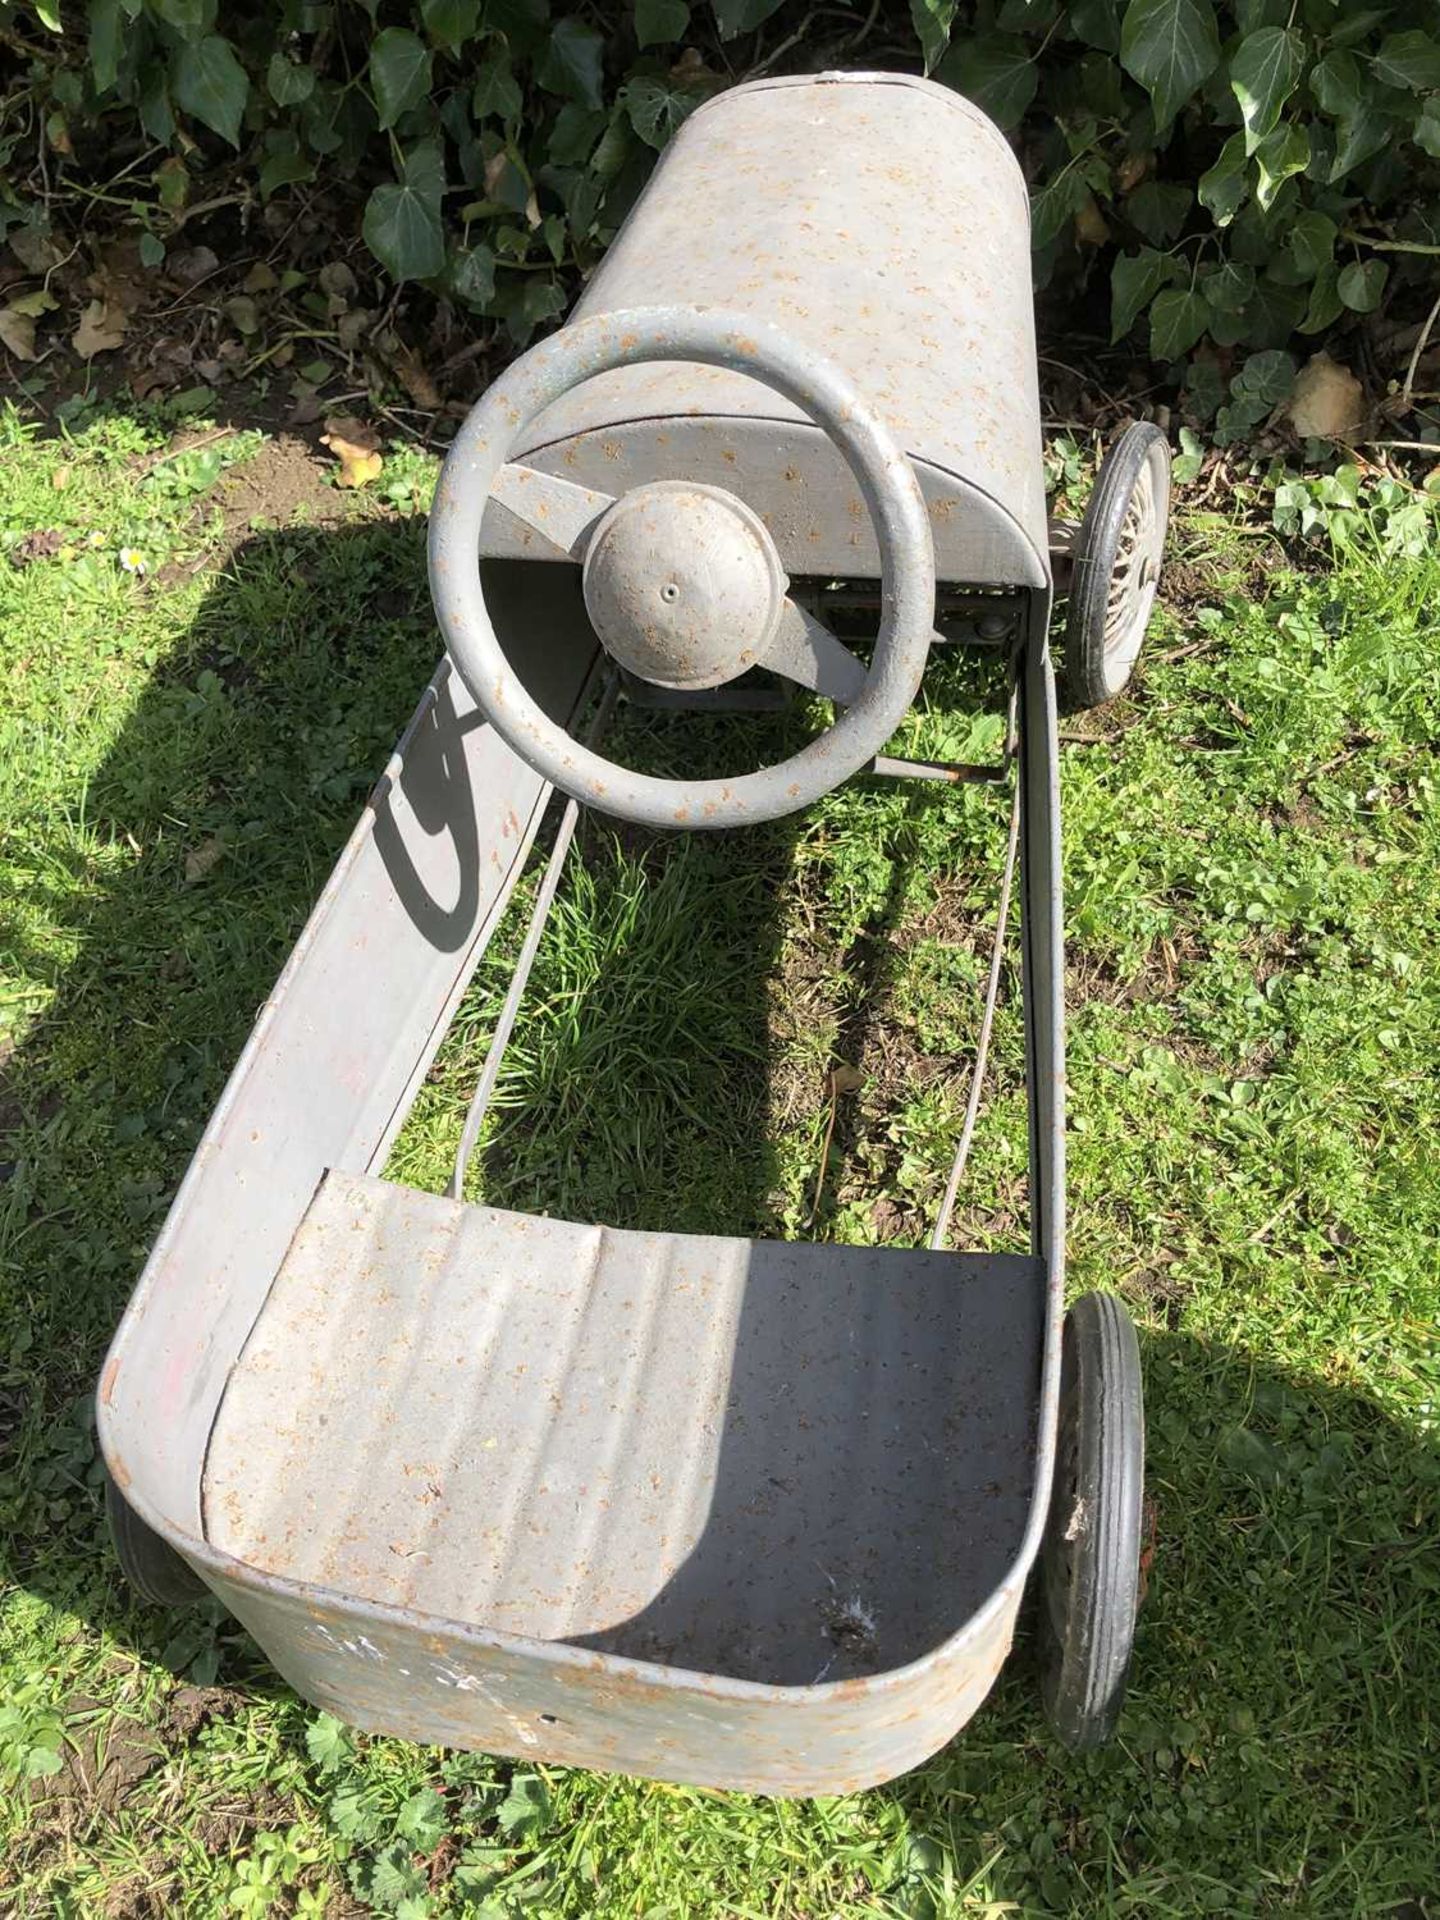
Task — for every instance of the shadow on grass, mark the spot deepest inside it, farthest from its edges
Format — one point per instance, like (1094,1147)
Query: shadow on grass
(162,913)
(1277,1747)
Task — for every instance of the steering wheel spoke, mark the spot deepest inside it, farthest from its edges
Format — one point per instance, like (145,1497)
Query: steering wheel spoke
(684,569)
(560,512)
(806,651)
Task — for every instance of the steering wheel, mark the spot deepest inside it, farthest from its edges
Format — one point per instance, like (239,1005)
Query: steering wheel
(681,580)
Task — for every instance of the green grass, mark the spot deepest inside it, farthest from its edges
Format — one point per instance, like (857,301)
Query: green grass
(1253,902)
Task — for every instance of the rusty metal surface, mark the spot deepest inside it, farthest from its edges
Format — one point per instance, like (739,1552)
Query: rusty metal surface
(683,585)
(884,222)
(880,470)
(337,1053)
(409,1672)
(754,1517)
(398,1672)
(782,1463)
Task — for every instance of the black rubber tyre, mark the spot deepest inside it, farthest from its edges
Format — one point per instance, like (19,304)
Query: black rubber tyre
(152,1568)
(1117,566)
(1090,1558)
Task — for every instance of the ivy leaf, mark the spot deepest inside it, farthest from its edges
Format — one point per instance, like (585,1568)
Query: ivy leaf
(287,82)
(497,92)
(1274,313)
(1171,47)
(519,20)
(1361,134)
(1251,15)
(1426,134)
(1311,242)
(526,1808)
(1178,318)
(1362,283)
(1135,279)
(1223,188)
(1267,377)
(472,277)
(1325,306)
(1337,85)
(1158,209)
(1026,16)
(450,23)
(328,1742)
(191,19)
(1096,23)
(997,72)
(284,164)
(655,109)
(1229,287)
(1204,387)
(660,23)
(210,82)
(932,21)
(573,61)
(157,116)
(402,218)
(1408,60)
(1056,202)
(523,308)
(1263,75)
(104,43)
(399,73)
(574,136)
(741,16)
(1278,155)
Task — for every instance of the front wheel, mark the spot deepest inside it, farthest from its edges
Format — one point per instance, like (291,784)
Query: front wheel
(1117,566)
(153,1570)
(1090,1559)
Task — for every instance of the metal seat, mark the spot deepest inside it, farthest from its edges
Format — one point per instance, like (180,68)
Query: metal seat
(775,1462)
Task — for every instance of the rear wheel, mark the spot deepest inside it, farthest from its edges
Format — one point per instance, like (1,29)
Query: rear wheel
(1117,566)
(1090,1559)
(152,1568)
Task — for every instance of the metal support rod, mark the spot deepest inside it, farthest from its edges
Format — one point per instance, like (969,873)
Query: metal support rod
(520,979)
(953,773)
(987,1021)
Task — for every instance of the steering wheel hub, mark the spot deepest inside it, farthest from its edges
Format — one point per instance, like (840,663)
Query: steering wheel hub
(683,584)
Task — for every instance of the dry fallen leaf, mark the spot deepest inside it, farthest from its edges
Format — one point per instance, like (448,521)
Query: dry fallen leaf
(338,284)
(199,860)
(356,431)
(306,406)
(60,478)
(34,249)
(43,544)
(1090,227)
(260,279)
(358,465)
(17,322)
(417,382)
(189,265)
(1132,170)
(242,313)
(845,1079)
(17,333)
(1327,400)
(101,330)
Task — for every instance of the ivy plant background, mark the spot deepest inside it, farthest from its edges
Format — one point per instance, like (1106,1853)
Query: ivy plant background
(1230,181)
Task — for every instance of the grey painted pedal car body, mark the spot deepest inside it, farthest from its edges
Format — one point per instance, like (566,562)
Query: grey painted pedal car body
(740,1513)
